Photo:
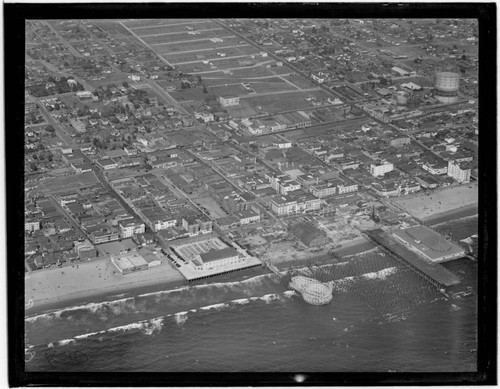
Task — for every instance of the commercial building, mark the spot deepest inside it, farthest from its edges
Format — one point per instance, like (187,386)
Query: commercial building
(289,205)
(229,100)
(217,259)
(85,250)
(380,169)
(31,225)
(131,227)
(459,171)
(323,190)
(129,262)
(197,224)
(429,244)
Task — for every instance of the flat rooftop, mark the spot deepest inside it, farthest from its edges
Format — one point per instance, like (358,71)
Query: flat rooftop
(429,243)
(432,270)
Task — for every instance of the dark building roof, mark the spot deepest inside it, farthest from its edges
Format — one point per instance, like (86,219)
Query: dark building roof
(214,255)
(308,234)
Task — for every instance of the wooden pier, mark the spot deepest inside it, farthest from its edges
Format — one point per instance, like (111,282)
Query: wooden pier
(432,272)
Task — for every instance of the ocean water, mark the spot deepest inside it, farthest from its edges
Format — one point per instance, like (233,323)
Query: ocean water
(382,318)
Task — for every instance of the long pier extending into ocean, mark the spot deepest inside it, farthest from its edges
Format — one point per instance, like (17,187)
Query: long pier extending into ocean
(434,273)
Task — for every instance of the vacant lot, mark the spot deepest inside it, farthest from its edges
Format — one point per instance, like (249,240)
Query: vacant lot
(201,43)
(281,102)
(169,37)
(162,29)
(210,54)
(189,94)
(154,22)
(231,89)
(212,206)
(71,182)
(244,110)
(266,87)
(299,81)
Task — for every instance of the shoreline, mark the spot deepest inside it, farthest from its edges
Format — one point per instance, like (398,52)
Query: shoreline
(134,286)
(454,214)
(164,277)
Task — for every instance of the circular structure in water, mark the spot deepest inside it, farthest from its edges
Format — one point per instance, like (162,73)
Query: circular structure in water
(312,291)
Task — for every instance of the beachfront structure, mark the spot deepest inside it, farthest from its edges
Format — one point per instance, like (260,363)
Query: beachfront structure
(381,168)
(131,227)
(429,244)
(216,259)
(85,250)
(309,234)
(229,100)
(210,257)
(459,171)
(129,262)
(313,291)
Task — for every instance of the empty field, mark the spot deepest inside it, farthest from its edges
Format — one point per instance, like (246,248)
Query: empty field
(206,43)
(162,29)
(182,36)
(139,23)
(299,81)
(244,110)
(281,103)
(234,89)
(210,53)
(189,94)
(219,81)
(64,183)
(267,87)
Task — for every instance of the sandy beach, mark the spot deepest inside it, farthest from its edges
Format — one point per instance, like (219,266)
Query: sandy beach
(442,203)
(90,279)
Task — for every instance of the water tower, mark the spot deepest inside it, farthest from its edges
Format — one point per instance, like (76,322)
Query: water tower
(446,86)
